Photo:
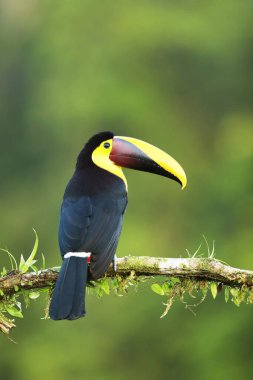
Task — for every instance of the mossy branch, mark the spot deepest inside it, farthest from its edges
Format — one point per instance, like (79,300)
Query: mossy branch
(176,276)
(198,269)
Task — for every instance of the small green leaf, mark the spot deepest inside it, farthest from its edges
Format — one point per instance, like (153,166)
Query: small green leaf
(11,257)
(43,262)
(234,292)
(213,288)
(25,265)
(36,270)
(165,287)
(237,296)
(227,294)
(157,289)
(204,291)
(105,287)
(22,265)
(30,261)
(34,295)
(99,291)
(16,288)
(4,271)
(236,301)
(175,280)
(14,312)
(26,297)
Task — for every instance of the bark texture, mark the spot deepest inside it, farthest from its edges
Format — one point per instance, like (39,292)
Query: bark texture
(193,268)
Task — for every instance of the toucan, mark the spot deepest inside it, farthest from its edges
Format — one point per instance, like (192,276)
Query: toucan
(92,213)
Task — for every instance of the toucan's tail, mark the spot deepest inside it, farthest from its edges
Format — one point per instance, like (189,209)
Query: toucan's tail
(68,301)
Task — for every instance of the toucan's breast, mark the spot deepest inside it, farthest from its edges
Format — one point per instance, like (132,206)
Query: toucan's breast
(91,217)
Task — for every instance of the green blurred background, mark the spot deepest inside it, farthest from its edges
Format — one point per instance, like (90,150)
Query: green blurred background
(177,74)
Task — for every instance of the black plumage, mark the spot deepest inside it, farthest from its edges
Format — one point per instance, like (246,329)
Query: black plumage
(92,212)
(91,221)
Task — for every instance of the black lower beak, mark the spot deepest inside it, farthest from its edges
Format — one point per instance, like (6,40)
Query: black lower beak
(138,155)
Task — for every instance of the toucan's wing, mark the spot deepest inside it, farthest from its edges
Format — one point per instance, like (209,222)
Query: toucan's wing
(104,232)
(92,225)
(74,223)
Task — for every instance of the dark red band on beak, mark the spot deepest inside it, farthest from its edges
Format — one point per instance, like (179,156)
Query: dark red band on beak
(128,155)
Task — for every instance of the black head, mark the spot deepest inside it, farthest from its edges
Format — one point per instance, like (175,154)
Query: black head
(84,156)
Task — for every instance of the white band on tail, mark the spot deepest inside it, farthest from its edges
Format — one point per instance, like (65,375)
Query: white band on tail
(77,254)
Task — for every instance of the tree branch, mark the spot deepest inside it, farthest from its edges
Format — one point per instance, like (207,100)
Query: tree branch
(198,269)
(192,274)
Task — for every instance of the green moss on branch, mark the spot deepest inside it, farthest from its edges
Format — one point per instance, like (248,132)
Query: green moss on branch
(177,277)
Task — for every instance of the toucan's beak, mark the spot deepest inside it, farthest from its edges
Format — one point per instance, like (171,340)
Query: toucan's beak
(139,155)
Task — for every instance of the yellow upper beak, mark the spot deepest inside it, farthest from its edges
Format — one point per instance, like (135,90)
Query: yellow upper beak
(136,154)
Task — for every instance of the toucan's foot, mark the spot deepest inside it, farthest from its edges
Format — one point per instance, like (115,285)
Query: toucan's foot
(115,263)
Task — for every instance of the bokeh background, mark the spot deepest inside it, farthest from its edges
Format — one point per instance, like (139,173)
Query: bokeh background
(177,74)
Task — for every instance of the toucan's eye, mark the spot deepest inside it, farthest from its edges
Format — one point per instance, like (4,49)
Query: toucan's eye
(107,145)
